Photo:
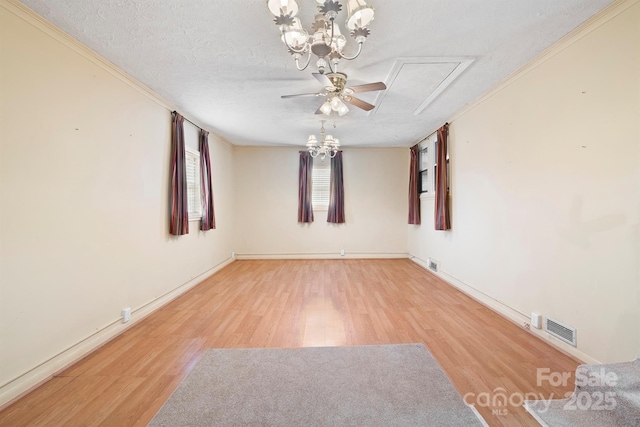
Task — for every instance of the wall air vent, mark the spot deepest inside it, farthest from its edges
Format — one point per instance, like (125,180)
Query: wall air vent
(433,265)
(560,331)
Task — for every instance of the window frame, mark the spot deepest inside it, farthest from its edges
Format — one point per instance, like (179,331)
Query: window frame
(196,193)
(429,165)
(426,163)
(435,169)
(325,167)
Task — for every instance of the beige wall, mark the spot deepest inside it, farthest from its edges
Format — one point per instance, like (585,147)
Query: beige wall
(84,186)
(375,181)
(545,190)
(545,175)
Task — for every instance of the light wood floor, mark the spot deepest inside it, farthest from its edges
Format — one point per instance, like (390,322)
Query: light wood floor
(297,303)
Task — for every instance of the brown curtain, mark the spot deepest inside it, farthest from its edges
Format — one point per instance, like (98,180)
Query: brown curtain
(179,206)
(208,215)
(336,195)
(305,209)
(442,214)
(414,195)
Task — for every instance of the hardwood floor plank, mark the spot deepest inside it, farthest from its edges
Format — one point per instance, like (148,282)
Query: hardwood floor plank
(38,401)
(72,399)
(297,303)
(131,407)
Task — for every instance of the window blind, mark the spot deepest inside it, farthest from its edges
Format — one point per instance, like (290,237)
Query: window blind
(192,160)
(321,176)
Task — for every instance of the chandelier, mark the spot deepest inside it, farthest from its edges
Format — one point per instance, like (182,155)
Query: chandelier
(328,145)
(327,41)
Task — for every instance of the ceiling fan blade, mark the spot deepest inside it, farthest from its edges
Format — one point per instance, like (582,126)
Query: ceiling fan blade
(369,87)
(318,111)
(359,103)
(324,80)
(302,94)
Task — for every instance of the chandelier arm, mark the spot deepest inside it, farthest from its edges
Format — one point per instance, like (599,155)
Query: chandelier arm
(294,50)
(306,64)
(330,67)
(331,38)
(331,41)
(355,56)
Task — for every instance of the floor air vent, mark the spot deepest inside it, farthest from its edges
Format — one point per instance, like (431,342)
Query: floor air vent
(561,331)
(433,265)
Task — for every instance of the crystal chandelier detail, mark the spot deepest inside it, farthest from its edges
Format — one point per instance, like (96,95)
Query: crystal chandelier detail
(326,41)
(326,146)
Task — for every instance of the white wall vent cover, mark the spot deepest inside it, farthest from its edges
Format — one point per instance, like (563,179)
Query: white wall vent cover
(560,331)
(433,265)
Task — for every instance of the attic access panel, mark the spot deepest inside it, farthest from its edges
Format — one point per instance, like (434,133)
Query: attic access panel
(414,83)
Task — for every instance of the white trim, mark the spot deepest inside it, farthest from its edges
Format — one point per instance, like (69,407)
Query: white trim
(462,65)
(194,155)
(592,24)
(32,18)
(35,377)
(535,415)
(507,312)
(325,255)
(321,173)
(463,62)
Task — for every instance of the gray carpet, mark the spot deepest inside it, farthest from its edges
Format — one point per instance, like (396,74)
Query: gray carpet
(389,385)
(605,395)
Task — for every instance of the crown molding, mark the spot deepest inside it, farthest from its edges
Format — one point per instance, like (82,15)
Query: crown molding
(584,29)
(37,21)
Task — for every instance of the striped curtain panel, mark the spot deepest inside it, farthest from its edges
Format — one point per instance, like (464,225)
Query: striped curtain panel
(414,195)
(442,214)
(336,194)
(208,215)
(305,208)
(179,206)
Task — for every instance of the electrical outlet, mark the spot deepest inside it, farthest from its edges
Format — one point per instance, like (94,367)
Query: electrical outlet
(126,314)
(536,320)
(527,325)
(341,252)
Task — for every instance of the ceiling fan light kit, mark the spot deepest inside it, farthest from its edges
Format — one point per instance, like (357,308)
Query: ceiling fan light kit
(338,93)
(334,104)
(325,108)
(326,41)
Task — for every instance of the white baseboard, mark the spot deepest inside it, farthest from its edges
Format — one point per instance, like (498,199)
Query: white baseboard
(325,255)
(33,378)
(507,312)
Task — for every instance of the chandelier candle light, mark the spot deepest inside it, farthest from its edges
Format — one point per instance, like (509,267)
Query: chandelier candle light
(327,41)
(328,145)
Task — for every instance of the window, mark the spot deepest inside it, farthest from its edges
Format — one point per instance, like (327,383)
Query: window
(428,165)
(435,168)
(320,177)
(194,195)
(423,163)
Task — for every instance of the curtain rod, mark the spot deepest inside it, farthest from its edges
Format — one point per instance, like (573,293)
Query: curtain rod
(198,126)
(425,138)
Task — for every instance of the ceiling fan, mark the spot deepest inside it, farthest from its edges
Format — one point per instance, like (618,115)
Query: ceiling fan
(336,91)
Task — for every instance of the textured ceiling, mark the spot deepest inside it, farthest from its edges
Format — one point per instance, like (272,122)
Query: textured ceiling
(222,63)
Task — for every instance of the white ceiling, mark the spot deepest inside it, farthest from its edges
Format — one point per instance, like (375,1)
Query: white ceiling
(222,63)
